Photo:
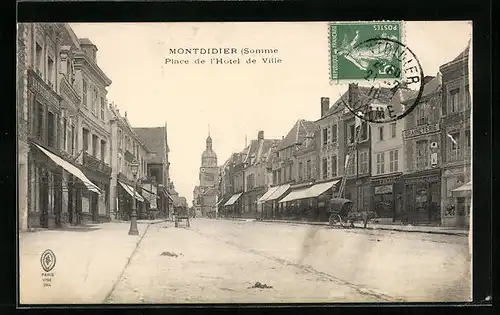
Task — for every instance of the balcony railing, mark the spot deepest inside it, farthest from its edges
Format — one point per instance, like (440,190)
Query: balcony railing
(95,164)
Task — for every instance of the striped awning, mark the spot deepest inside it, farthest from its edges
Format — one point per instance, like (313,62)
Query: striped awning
(310,192)
(233,199)
(70,168)
(131,192)
(268,194)
(279,192)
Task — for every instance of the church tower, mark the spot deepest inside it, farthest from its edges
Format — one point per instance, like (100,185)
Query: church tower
(209,178)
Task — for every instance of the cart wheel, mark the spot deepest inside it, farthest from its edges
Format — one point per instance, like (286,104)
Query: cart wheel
(334,218)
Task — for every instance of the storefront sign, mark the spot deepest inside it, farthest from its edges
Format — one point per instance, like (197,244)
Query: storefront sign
(420,130)
(386,181)
(386,189)
(421,180)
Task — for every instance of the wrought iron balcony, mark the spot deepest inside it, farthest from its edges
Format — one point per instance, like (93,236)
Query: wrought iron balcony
(95,164)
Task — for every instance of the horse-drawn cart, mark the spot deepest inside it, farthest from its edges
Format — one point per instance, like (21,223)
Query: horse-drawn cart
(340,212)
(181,214)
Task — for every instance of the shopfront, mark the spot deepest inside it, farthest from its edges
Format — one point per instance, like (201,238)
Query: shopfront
(422,197)
(95,207)
(452,179)
(387,195)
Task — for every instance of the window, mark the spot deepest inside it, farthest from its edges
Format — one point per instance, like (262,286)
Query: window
(467,142)
(51,129)
(467,96)
(94,145)
(85,136)
(325,168)
(350,167)
(103,150)
(364,131)
(454,146)
(284,174)
(275,177)
(422,154)
(380,163)
(94,101)
(39,125)
(289,172)
(421,116)
(454,100)
(325,136)
(393,160)
(279,177)
(120,140)
(334,133)
(65,132)
(308,169)
(119,164)
(393,130)
(39,59)
(301,170)
(102,107)
(72,137)
(350,133)
(381,133)
(84,94)
(50,70)
(334,166)
(363,162)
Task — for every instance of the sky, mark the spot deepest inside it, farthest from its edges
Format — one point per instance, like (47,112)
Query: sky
(236,100)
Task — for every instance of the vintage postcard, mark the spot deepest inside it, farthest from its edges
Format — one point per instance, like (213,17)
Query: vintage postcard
(289,162)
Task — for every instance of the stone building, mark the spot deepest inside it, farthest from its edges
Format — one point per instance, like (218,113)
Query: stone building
(54,180)
(456,141)
(233,207)
(421,145)
(209,179)
(255,174)
(22,122)
(158,164)
(126,148)
(94,135)
(387,163)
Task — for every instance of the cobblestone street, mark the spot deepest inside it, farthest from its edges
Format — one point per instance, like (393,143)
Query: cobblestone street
(219,261)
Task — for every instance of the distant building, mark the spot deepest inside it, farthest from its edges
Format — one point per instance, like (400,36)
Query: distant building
(456,141)
(126,148)
(209,180)
(158,164)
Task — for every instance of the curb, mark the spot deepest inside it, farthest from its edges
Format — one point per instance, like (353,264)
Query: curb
(374,228)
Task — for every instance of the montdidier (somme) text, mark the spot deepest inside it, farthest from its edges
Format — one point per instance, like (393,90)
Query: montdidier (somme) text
(219,56)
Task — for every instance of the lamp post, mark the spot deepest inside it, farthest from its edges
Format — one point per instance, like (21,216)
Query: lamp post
(133,217)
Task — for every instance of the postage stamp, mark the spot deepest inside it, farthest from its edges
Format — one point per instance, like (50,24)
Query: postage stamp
(348,63)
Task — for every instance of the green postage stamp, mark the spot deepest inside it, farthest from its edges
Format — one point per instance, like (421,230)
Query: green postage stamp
(352,53)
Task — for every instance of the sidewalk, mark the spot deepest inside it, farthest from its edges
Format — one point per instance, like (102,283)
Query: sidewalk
(387,227)
(89,260)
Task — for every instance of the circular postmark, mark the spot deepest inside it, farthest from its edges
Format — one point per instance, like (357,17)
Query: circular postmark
(393,82)
(48,260)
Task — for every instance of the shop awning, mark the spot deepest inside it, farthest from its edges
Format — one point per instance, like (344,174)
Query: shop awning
(278,192)
(319,189)
(130,191)
(70,168)
(268,194)
(219,202)
(462,190)
(309,192)
(297,194)
(233,199)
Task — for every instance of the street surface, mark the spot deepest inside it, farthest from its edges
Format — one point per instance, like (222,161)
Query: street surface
(219,261)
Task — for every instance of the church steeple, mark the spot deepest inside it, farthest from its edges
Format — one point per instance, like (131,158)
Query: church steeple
(209,140)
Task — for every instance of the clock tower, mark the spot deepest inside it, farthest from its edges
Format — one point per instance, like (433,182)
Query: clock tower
(209,179)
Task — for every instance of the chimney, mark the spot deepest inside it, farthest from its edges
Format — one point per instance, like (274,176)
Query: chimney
(325,105)
(89,48)
(260,135)
(353,94)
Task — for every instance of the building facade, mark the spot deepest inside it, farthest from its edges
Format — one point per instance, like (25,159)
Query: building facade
(209,179)
(387,164)
(456,140)
(126,148)
(94,135)
(158,164)
(22,122)
(256,176)
(422,145)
